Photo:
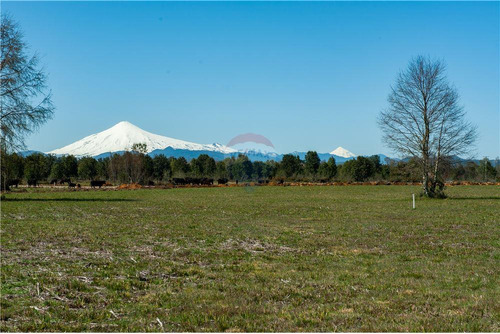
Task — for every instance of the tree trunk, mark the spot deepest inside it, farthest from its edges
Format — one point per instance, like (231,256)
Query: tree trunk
(425,154)
(425,178)
(437,185)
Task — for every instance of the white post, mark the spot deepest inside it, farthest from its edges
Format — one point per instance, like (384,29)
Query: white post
(413,195)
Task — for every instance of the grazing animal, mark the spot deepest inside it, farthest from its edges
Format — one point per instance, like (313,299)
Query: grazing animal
(97,183)
(222,181)
(63,181)
(207,182)
(71,185)
(14,182)
(33,183)
(179,181)
(195,181)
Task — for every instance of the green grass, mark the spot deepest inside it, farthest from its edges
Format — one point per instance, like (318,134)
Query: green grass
(251,259)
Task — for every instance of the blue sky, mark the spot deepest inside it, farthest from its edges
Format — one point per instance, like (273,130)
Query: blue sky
(305,75)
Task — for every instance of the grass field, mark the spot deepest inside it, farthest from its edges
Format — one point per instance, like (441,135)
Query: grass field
(251,259)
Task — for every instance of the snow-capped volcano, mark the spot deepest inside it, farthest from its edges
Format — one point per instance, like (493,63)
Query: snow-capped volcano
(342,152)
(123,135)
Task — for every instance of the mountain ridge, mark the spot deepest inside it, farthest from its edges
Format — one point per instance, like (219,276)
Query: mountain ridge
(120,138)
(342,152)
(123,135)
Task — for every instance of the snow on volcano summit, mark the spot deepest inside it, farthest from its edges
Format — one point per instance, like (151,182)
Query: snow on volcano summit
(342,152)
(123,135)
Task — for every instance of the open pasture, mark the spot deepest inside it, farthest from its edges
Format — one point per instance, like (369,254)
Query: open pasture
(251,259)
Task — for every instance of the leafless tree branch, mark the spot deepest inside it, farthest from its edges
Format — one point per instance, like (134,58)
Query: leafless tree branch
(25,101)
(424,120)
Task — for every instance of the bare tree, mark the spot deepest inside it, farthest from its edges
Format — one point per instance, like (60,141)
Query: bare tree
(424,120)
(25,103)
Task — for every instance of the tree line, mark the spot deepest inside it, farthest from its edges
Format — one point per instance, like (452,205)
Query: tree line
(424,120)
(137,167)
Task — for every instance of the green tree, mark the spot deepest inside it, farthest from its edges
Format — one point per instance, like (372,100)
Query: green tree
(269,170)
(203,166)
(241,168)
(375,159)
(247,169)
(57,170)
(148,164)
(196,167)
(208,164)
(471,171)
(87,168)
(70,166)
(161,167)
(406,171)
(359,169)
(290,165)
(34,167)
(458,173)
(47,162)
(486,170)
(12,168)
(180,167)
(258,170)
(229,162)
(237,172)
(102,168)
(312,163)
(327,170)
(221,170)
